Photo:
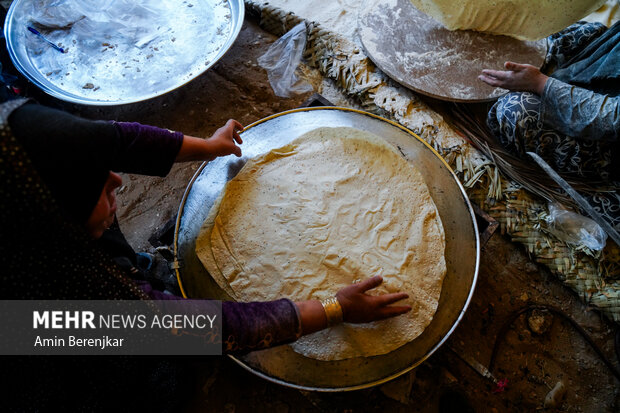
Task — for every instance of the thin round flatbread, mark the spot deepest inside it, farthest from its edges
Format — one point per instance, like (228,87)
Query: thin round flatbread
(333,206)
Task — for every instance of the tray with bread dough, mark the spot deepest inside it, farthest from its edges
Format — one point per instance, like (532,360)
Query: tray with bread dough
(282,364)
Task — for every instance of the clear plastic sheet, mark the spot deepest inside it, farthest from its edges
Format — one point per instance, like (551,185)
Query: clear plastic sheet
(281,61)
(115,48)
(573,228)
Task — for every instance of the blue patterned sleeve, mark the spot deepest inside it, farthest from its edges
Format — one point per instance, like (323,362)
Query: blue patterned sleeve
(580,113)
(564,45)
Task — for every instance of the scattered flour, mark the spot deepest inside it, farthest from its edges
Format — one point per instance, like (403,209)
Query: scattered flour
(339,16)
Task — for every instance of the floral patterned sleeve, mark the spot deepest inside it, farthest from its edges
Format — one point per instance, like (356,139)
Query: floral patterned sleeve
(580,113)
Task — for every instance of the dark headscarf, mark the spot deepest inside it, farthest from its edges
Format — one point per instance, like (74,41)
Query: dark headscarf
(74,180)
(44,255)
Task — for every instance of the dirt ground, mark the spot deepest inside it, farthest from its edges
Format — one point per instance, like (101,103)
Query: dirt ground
(237,88)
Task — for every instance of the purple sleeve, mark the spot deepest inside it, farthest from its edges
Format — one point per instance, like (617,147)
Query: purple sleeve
(146,150)
(249,326)
(155,294)
(255,326)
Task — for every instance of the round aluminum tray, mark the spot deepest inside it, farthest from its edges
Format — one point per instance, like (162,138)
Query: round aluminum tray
(115,56)
(281,364)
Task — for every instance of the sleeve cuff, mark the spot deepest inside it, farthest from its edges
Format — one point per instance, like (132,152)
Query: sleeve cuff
(298,314)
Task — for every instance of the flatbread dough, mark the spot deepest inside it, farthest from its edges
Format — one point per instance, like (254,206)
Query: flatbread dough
(523,19)
(307,219)
(205,253)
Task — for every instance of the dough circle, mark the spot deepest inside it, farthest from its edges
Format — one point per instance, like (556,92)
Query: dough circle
(306,219)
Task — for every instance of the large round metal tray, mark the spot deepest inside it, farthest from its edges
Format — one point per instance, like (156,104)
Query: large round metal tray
(110,68)
(281,364)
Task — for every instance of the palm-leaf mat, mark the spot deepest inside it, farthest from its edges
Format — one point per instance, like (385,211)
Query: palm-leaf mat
(503,186)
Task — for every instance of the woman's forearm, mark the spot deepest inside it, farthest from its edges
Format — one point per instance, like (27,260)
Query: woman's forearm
(312,316)
(194,149)
(223,142)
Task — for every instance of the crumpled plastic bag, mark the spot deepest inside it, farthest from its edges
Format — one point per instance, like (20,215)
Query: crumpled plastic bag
(573,228)
(281,61)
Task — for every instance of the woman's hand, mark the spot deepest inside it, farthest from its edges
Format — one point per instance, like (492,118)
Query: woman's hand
(222,142)
(517,77)
(359,307)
